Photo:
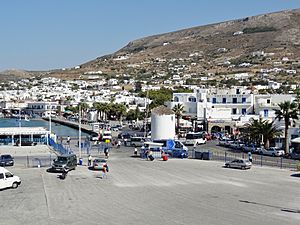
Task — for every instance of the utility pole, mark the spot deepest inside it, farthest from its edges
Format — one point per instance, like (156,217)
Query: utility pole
(146,115)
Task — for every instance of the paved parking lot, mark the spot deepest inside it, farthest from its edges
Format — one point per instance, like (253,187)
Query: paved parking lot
(143,192)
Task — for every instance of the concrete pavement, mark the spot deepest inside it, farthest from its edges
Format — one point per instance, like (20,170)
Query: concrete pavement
(143,192)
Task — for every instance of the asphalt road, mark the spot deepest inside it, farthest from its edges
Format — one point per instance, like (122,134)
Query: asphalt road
(142,192)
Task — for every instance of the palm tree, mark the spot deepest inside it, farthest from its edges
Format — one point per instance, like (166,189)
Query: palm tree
(100,109)
(84,108)
(106,110)
(178,110)
(120,111)
(297,99)
(263,131)
(288,111)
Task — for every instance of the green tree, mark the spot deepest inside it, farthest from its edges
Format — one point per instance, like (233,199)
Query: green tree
(178,110)
(262,131)
(287,111)
(83,108)
(100,109)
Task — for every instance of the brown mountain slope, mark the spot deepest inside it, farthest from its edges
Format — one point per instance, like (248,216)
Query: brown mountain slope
(275,32)
(278,33)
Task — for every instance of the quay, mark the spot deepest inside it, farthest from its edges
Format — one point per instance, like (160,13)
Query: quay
(84,127)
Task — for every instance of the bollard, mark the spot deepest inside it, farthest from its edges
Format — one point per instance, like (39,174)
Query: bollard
(280,162)
(225,156)
(261,158)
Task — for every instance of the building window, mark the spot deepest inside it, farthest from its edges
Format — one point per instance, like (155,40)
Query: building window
(214,100)
(234,111)
(244,111)
(266,113)
(268,101)
(234,100)
(192,99)
(243,100)
(224,100)
(176,99)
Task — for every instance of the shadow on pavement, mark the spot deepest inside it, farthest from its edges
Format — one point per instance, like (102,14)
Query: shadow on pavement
(295,175)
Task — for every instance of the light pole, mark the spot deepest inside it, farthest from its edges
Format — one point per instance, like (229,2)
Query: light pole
(50,127)
(79,120)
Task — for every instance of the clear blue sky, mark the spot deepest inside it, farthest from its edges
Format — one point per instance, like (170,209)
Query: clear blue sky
(49,34)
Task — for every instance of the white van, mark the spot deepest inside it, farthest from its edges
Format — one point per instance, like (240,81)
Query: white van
(195,138)
(8,179)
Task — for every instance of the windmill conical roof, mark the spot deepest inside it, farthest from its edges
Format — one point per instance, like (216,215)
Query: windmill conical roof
(162,110)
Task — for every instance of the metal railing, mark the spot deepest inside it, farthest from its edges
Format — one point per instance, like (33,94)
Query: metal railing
(259,160)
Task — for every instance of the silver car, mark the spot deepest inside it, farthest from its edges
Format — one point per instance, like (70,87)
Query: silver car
(239,163)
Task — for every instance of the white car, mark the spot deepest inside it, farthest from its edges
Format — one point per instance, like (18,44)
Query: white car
(239,163)
(272,151)
(8,179)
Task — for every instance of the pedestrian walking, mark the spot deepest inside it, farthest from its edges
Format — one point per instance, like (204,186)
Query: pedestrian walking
(105,170)
(68,140)
(195,145)
(119,144)
(146,154)
(150,155)
(250,156)
(106,152)
(90,158)
(135,151)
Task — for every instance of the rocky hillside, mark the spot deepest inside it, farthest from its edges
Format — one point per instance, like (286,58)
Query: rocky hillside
(208,47)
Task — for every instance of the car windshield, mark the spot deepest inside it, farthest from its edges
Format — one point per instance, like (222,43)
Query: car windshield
(194,136)
(61,159)
(6,157)
(100,160)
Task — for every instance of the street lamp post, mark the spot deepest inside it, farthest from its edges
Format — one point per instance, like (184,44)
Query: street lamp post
(50,125)
(79,120)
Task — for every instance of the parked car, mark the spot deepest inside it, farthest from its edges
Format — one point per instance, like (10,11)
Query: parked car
(225,142)
(272,151)
(8,179)
(62,162)
(239,163)
(236,145)
(94,137)
(251,148)
(124,136)
(6,160)
(99,163)
(294,155)
(115,128)
(135,142)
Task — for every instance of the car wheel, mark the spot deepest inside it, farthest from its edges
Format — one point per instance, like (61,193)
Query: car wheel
(15,185)
(273,154)
(243,167)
